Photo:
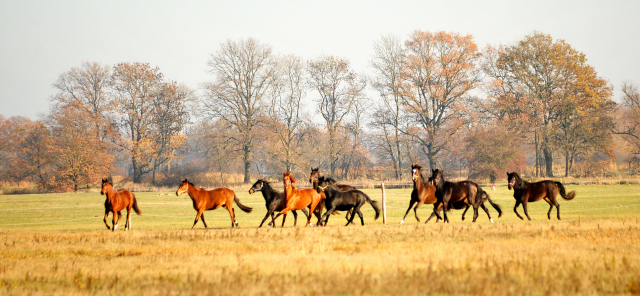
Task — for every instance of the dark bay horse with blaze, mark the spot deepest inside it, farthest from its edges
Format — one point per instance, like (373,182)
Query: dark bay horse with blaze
(298,199)
(450,193)
(116,202)
(314,179)
(525,192)
(344,200)
(275,201)
(205,200)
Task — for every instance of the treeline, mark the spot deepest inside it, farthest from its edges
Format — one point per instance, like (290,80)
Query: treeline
(432,98)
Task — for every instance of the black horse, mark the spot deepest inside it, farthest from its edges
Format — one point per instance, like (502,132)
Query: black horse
(344,200)
(275,202)
(525,192)
(452,193)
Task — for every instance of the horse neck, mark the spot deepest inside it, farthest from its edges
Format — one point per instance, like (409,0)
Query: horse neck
(111,193)
(268,192)
(520,183)
(315,184)
(418,183)
(194,192)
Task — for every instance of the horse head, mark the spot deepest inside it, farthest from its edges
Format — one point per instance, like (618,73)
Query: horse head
(436,177)
(105,186)
(512,178)
(257,186)
(184,187)
(415,172)
(324,183)
(288,179)
(314,175)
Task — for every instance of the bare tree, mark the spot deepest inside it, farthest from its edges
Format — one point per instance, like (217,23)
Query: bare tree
(338,87)
(389,118)
(285,114)
(244,72)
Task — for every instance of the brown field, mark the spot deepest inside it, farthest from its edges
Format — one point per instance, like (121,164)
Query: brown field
(56,244)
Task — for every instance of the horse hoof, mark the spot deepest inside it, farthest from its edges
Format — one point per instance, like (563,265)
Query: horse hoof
(402,222)
(115,227)
(491,219)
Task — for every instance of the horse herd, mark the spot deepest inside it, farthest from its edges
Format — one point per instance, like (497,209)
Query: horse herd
(327,193)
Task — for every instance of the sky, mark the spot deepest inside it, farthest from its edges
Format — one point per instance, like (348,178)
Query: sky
(40,40)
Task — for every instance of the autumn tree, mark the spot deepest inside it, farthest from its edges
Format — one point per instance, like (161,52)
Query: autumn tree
(244,73)
(29,154)
(338,87)
(546,80)
(629,122)
(286,117)
(389,118)
(87,89)
(439,72)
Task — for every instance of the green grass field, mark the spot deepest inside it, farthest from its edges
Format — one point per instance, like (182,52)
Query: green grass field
(58,244)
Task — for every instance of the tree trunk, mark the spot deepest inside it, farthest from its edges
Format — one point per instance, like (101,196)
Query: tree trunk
(247,164)
(548,159)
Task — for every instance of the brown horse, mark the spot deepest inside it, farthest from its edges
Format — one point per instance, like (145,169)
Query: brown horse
(205,200)
(451,193)
(525,192)
(422,193)
(298,199)
(314,179)
(116,202)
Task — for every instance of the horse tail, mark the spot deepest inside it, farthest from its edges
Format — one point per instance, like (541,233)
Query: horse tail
(494,205)
(566,196)
(374,204)
(135,205)
(241,206)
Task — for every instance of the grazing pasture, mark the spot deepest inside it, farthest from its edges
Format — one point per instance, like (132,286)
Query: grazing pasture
(57,244)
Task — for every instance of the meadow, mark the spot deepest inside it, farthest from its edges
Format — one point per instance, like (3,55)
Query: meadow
(57,244)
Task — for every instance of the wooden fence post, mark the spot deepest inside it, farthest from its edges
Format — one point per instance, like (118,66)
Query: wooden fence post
(384,205)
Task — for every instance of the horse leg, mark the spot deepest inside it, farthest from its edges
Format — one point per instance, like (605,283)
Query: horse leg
(204,222)
(197,218)
(515,209)
(232,213)
(526,212)
(465,211)
(270,212)
(415,210)
(106,215)
(445,204)
(117,222)
(486,211)
(284,218)
(127,225)
(433,214)
(295,219)
(326,215)
(360,215)
(411,202)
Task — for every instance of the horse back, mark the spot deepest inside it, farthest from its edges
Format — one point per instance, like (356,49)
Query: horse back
(542,189)
(461,190)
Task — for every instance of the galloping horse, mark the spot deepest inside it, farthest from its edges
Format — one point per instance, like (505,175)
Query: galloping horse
(117,201)
(525,192)
(275,201)
(205,200)
(344,200)
(313,179)
(422,193)
(298,199)
(450,193)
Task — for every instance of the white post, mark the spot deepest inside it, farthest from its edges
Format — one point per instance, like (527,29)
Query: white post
(384,205)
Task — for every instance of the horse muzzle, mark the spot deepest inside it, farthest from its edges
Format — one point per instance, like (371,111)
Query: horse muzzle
(251,191)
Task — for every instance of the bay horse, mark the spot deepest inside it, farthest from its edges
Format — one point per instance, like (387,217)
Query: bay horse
(421,194)
(450,193)
(205,200)
(344,200)
(313,179)
(275,201)
(116,202)
(298,199)
(525,192)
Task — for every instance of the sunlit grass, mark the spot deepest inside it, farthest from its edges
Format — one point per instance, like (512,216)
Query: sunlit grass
(57,244)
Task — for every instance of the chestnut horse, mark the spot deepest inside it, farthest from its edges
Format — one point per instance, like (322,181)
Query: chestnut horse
(298,199)
(450,193)
(313,179)
(421,194)
(525,192)
(205,200)
(116,202)
(275,201)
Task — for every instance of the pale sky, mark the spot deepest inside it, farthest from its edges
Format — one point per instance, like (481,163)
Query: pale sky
(39,40)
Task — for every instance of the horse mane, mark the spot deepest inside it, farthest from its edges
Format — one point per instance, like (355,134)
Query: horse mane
(190,184)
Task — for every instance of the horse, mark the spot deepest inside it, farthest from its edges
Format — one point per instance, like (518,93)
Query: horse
(344,200)
(205,200)
(421,194)
(466,192)
(275,201)
(298,199)
(116,202)
(525,192)
(313,179)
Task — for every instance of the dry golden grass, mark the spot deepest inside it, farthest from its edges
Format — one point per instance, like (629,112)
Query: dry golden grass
(595,249)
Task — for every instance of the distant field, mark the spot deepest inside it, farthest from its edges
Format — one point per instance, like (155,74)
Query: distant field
(58,244)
